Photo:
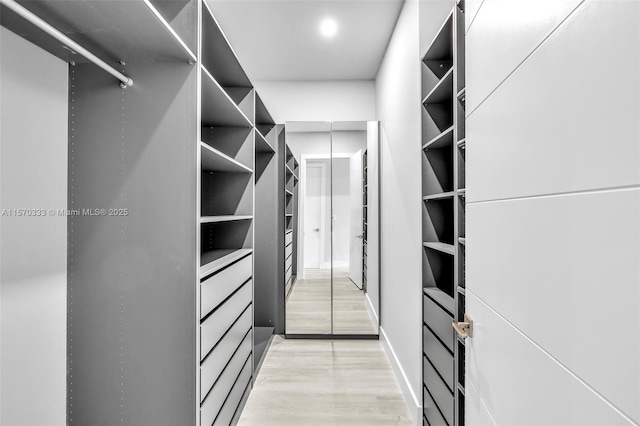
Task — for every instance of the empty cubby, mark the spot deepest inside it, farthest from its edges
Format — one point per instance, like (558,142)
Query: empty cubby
(235,142)
(437,170)
(219,239)
(438,221)
(226,193)
(437,270)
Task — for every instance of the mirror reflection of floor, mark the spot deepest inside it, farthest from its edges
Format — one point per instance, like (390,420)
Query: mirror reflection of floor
(309,305)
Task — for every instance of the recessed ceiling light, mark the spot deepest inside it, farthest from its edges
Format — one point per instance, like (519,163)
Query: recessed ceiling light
(328,27)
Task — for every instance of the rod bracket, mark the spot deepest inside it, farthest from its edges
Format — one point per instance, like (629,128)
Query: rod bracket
(465,328)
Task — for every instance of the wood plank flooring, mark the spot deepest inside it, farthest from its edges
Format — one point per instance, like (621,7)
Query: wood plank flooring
(325,382)
(309,305)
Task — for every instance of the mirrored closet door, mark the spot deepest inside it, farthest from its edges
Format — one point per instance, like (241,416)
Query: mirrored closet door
(336,288)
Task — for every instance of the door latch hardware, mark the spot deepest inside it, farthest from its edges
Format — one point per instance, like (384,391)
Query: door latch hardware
(464,329)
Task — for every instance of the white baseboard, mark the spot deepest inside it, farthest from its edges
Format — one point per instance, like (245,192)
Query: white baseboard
(414,404)
(371,309)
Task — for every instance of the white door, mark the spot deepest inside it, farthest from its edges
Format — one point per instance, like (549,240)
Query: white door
(313,208)
(355,231)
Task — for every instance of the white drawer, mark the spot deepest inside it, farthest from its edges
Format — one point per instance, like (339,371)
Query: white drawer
(212,329)
(288,250)
(288,238)
(213,403)
(287,263)
(219,286)
(215,362)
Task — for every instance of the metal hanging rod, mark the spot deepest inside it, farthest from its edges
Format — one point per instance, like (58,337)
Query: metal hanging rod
(35,20)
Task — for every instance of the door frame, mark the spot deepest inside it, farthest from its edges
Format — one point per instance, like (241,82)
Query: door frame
(304,158)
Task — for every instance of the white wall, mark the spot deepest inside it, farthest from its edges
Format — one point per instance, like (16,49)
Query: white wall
(398,108)
(318,100)
(33,156)
(553,212)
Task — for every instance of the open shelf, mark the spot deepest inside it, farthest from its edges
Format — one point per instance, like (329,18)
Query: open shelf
(462,144)
(439,55)
(441,247)
(215,161)
(225,218)
(442,140)
(218,108)
(438,196)
(214,260)
(262,144)
(264,120)
(288,193)
(142,34)
(437,171)
(442,91)
(218,56)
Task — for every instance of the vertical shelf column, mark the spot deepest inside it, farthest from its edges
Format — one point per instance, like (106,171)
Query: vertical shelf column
(443,223)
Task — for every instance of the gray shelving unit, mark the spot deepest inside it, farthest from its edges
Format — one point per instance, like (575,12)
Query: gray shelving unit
(290,174)
(162,324)
(269,306)
(443,192)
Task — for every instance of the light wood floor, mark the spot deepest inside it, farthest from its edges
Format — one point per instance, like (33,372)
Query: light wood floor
(325,382)
(309,305)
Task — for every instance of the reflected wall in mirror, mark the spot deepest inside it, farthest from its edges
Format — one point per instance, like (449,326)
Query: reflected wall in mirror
(337,291)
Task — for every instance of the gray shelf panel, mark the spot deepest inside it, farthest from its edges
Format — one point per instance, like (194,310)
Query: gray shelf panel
(288,193)
(218,55)
(263,117)
(443,247)
(441,48)
(215,161)
(462,143)
(440,196)
(262,144)
(130,31)
(441,358)
(442,92)
(218,109)
(443,139)
(224,218)
(214,260)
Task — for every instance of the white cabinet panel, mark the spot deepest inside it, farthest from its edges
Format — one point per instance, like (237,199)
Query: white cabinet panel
(564,270)
(520,384)
(475,413)
(503,33)
(471,8)
(564,121)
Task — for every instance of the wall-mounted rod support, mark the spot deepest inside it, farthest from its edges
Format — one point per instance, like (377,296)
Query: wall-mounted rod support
(35,20)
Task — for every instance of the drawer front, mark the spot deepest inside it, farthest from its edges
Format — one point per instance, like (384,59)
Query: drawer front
(439,321)
(219,286)
(438,390)
(214,364)
(214,400)
(439,356)
(287,263)
(431,411)
(288,238)
(288,250)
(239,390)
(212,329)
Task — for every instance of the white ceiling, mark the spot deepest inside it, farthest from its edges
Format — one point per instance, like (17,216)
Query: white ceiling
(281,40)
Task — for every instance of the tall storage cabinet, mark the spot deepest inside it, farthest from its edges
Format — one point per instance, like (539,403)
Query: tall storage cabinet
(163,214)
(443,191)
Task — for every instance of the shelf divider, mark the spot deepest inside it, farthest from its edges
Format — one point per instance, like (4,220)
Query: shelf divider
(442,247)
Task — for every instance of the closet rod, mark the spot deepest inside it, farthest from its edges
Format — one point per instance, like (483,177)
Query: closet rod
(35,20)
